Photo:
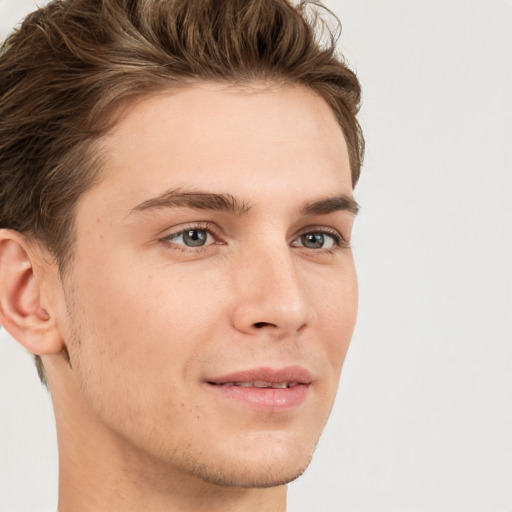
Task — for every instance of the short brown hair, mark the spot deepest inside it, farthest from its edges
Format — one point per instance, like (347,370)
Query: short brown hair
(71,65)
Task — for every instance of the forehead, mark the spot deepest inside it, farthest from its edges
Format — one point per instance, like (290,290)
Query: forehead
(210,136)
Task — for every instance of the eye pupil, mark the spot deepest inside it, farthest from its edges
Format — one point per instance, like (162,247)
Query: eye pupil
(195,237)
(313,240)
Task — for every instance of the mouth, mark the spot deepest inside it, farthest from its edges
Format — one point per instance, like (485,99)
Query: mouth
(258,384)
(264,389)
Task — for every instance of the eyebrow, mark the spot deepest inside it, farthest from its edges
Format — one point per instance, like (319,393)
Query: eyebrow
(196,200)
(228,203)
(332,204)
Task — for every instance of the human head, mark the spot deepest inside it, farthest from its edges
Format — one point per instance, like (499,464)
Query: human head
(97,62)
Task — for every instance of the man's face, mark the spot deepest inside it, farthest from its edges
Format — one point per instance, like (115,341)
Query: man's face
(213,292)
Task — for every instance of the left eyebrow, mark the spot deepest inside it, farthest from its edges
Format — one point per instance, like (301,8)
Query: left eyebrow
(330,205)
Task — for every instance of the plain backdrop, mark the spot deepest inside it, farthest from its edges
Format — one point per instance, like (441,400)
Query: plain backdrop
(423,419)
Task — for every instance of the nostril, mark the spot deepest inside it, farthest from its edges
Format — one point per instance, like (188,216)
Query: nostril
(259,325)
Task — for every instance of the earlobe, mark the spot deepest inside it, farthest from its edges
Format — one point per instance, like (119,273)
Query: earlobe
(23,312)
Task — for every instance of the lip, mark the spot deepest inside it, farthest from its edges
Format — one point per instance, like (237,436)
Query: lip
(269,399)
(267,374)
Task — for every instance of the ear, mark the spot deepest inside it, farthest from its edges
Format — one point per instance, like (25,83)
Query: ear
(26,279)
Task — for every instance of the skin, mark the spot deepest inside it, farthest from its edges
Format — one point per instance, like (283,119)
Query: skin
(147,321)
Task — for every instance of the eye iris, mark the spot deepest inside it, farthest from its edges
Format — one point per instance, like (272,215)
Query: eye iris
(194,237)
(313,240)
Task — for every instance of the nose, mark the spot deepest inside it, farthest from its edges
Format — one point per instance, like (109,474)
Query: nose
(271,297)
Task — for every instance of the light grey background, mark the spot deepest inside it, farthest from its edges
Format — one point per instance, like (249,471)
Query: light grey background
(423,420)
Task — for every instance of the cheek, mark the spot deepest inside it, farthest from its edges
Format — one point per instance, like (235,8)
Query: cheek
(337,316)
(147,320)
(136,346)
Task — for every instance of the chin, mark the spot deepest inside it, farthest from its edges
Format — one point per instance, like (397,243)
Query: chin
(273,465)
(250,477)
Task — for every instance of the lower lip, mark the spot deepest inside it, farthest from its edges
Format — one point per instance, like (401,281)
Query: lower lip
(264,399)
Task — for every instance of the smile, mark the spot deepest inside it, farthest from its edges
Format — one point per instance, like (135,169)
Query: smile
(259,384)
(264,389)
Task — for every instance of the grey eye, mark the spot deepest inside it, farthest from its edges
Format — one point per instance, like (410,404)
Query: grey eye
(192,238)
(195,237)
(313,240)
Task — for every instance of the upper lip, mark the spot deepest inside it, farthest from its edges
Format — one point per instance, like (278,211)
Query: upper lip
(296,374)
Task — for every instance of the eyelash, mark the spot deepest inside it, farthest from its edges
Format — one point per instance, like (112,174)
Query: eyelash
(202,226)
(338,240)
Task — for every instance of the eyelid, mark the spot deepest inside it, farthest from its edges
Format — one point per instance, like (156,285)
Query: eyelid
(339,239)
(211,228)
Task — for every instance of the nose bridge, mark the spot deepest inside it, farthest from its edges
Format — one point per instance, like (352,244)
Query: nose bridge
(270,294)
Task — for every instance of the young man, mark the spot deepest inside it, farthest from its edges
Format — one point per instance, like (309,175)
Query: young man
(176,207)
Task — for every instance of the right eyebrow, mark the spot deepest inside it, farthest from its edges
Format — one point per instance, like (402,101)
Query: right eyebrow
(196,200)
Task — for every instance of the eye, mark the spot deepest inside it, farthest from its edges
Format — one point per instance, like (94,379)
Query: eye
(192,237)
(317,240)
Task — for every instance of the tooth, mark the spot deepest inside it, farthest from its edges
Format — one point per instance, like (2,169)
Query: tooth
(280,385)
(228,384)
(261,384)
(244,384)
